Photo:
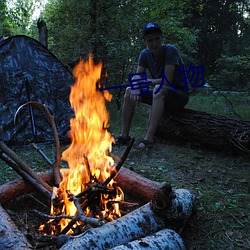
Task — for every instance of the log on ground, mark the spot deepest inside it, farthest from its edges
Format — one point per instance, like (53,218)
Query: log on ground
(10,237)
(161,240)
(131,182)
(136,185)
(148,219)
(18,187)
(212,131)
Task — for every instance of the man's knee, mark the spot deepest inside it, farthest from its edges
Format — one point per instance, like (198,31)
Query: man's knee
(127,92)
(159,92)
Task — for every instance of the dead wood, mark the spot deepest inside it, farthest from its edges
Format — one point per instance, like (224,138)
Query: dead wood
(23,165)
(120,163)
(208,130)
(26,176)
(43,32)
(18,187)
(150,218)
(138,223)
(136,185)
(163,239)
(10,237)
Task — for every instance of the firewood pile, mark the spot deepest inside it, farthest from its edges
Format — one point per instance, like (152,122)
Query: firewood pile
(155,222)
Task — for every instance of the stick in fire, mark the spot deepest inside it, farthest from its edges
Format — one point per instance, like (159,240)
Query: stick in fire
(90,197)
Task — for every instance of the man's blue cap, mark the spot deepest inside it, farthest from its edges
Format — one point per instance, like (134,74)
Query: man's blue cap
(150,26)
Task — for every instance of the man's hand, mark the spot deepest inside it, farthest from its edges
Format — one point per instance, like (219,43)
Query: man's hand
(134,94)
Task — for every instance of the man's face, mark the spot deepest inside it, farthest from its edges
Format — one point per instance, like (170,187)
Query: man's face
(153,41)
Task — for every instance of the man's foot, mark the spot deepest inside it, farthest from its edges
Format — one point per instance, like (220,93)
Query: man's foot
(146,144)
(122,141)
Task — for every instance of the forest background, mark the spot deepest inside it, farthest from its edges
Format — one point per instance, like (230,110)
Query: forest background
(212,33)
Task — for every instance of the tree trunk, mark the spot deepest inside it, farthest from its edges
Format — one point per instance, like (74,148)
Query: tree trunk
(10,237)
(212,131)
(43,32)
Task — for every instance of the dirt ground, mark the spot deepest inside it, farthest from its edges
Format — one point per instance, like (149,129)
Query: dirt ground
(220,182)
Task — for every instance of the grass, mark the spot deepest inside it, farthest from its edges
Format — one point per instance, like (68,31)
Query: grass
(219,180)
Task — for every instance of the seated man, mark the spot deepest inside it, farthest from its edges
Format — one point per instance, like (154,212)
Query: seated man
(167,92)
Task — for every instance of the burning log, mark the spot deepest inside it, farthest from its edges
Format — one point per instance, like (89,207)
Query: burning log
(10,237)
(167,209)
(163,239)
(140,187)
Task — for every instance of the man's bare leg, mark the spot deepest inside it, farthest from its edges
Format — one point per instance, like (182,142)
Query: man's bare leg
(128,110)
(157,111)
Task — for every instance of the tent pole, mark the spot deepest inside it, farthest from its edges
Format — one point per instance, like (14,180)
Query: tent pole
(33,125)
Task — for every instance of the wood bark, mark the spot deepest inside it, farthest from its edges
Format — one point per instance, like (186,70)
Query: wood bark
(212,131)
(161,240)
(150,218)
(18,187)
(136,185)
(140,187)
(23,165)
(43,32)
(10,237)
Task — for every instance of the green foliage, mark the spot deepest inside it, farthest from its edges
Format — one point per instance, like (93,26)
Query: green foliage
(4,19)
(232,72)
(20,16)
(214,34)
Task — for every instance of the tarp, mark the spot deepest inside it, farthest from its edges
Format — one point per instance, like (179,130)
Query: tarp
(29,71)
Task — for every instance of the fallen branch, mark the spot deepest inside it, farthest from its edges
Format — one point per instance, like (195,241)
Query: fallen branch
(136,185)
(23,165)
(212,131)
(26,176)
(120,163)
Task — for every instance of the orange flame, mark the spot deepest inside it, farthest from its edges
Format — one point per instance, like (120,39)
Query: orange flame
(87,156)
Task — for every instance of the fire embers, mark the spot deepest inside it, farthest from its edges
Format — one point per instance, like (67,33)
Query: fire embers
(95,206)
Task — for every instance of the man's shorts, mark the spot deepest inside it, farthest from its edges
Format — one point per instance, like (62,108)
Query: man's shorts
(174,99)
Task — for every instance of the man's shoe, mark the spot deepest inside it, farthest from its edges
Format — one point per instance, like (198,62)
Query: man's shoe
(145,144)
(121,141)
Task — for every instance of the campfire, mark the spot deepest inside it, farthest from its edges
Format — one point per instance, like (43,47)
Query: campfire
(87,188)
(87,198)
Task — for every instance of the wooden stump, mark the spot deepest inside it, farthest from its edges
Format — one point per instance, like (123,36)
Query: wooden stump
(212,131)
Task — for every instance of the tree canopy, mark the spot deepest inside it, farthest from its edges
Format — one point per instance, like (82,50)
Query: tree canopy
(211,33)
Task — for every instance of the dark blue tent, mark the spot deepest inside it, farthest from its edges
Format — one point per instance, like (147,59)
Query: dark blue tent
(29,71)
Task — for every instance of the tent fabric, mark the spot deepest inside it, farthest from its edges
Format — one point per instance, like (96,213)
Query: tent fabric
(30,72)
